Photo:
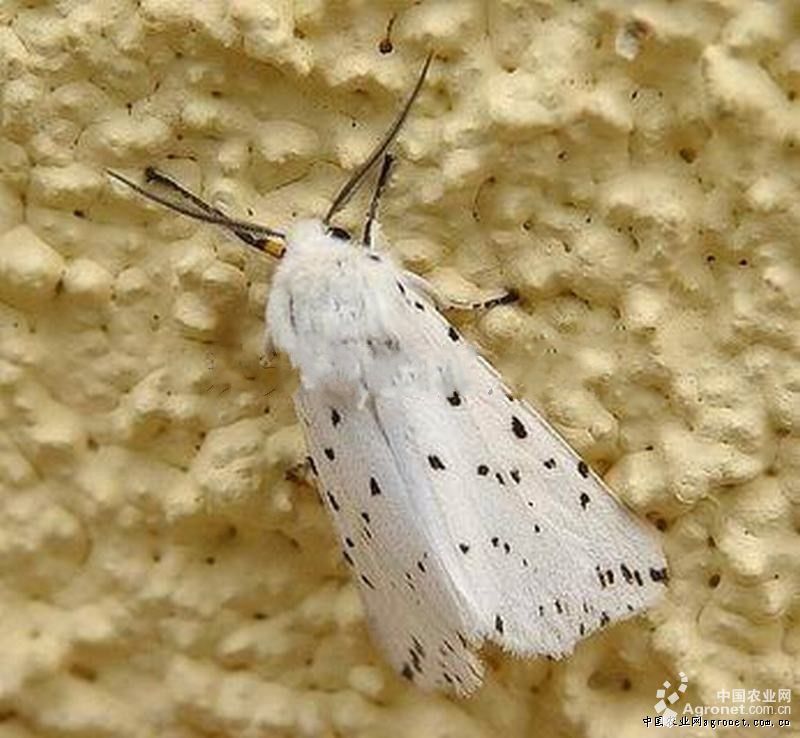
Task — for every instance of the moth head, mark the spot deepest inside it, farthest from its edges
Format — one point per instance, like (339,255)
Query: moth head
(310,235)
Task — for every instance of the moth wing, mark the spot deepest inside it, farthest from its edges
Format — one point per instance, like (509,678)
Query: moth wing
(546,553)
(413,607)
(601,562)
(485,524)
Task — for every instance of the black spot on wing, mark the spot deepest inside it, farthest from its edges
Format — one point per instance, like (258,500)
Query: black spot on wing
(550,463)
(435,462)
(335,417)
(515,475)
(659,575)
(483,470)
(498,624)
(583,469)
(518,427)
(454,399)
(313,465)
(334,502)
(453,333)
(464,547)
(374,487)
(330,454)
(585,499)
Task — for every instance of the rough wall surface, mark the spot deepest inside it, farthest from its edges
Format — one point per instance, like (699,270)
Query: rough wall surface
(630,168)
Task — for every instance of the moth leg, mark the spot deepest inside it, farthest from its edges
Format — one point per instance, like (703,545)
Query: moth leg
(372,212)
(443,302)
(268,352)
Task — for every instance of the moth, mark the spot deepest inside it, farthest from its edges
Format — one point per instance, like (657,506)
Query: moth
(463,514)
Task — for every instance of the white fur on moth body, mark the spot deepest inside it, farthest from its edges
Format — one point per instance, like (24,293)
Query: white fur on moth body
(334,309)
(463,514)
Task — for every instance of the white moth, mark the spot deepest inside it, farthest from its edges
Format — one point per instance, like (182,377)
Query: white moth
(463,514)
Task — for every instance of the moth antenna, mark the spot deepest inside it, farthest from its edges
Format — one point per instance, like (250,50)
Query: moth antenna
(372,212)
(210,214)
(349,188)
(151,174)
(253,234)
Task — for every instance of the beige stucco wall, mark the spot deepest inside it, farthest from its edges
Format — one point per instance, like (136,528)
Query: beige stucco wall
(631,169)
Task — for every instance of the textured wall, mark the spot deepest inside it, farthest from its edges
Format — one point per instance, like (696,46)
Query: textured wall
(630,168)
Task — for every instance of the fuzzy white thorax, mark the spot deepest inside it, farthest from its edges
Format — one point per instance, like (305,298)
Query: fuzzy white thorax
(338,311)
